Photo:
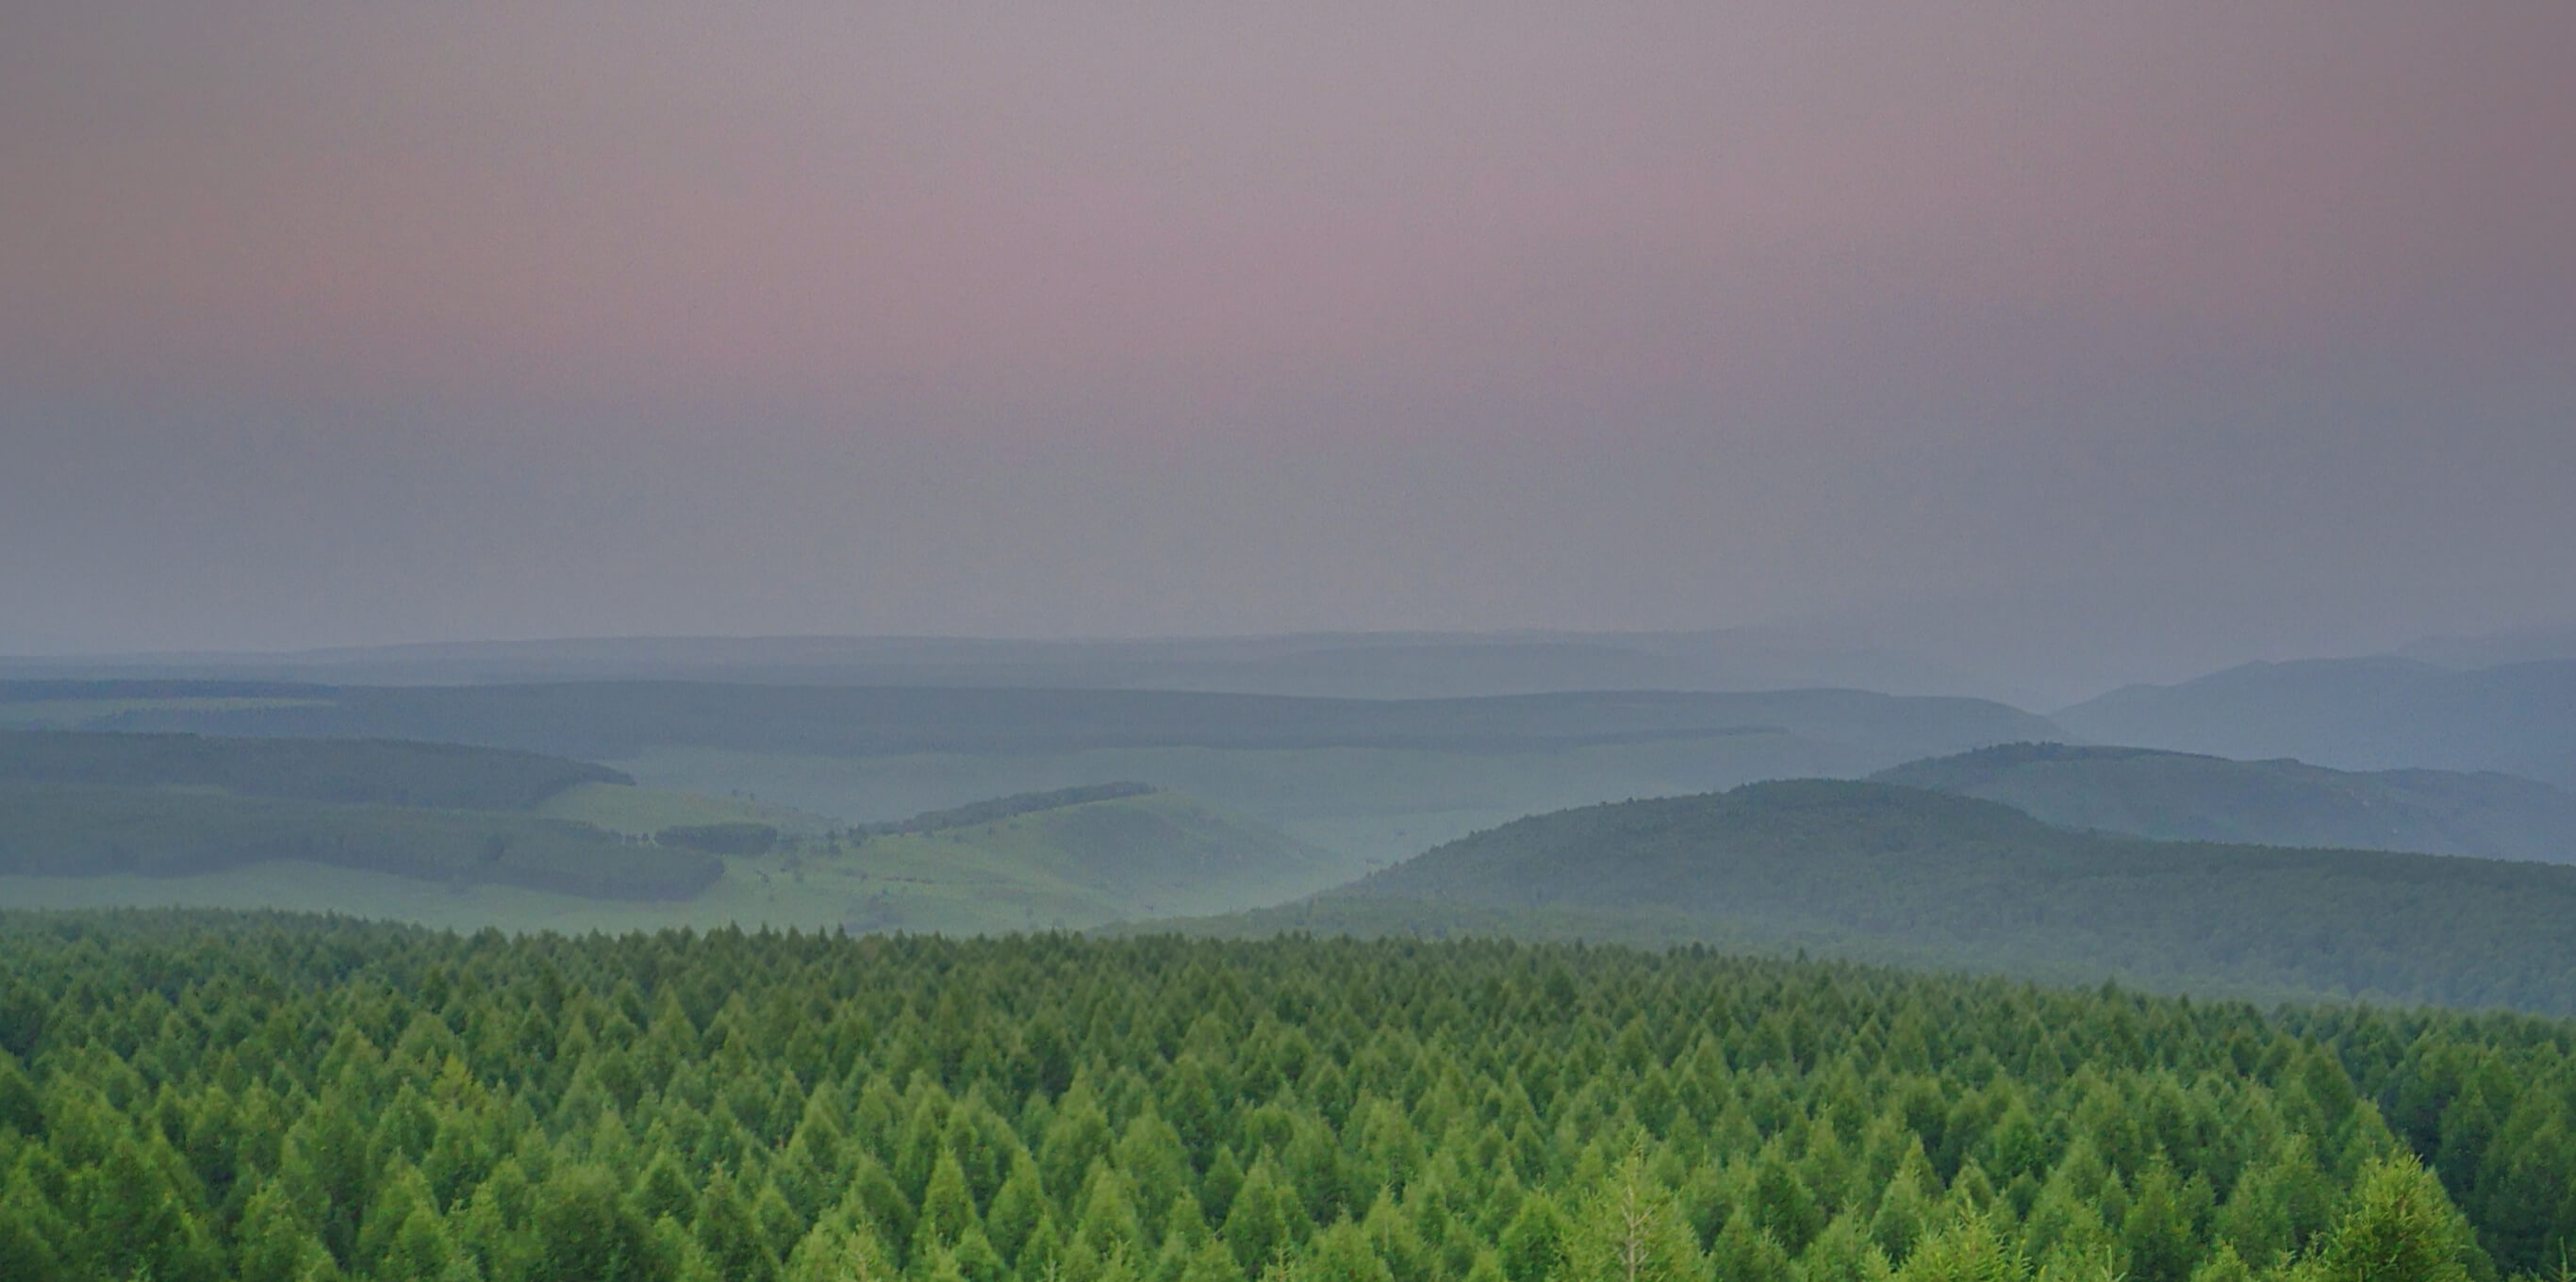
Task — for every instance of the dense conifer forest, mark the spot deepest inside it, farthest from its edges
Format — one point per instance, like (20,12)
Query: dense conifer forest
(207,1096)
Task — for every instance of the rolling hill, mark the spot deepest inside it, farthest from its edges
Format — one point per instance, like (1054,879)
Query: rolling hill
(388,772)
(1900,874)
(584,858)
(1064,860)
(1370,779)
(2178,796)
(69,830)
(2356,714)
(158,807)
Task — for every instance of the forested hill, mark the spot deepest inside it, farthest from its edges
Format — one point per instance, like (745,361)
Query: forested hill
(390,772)
(1887,872)
(202,1098)
(2178,796)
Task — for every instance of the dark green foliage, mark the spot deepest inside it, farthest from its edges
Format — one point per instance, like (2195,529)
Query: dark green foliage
(64,830)
(258,1097)
(721,839)
(378,771)
(1899,874)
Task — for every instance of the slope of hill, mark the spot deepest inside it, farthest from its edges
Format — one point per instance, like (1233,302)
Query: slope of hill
(68,830)
(2356,714)
(390,772)
(1063,866)
(1078,865)
(1900,874)
(2175,796)
(157,809)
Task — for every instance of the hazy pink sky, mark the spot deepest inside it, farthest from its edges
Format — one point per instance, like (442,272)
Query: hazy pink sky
(328,323)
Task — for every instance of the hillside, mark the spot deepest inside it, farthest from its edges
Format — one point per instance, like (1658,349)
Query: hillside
(1014,864)
(2356,714)
(75,831)
(158,818)
(1032,864)
(2175,796)
(1879,871)
(387,772)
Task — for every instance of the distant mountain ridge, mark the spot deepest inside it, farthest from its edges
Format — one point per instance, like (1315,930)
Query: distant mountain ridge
(2175,796)
(2356,714)
(1899,874)
(1371,665)
(378,771)
(611,720)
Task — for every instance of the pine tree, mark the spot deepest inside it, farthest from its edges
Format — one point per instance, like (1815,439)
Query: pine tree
(1016,1206)
(730,1236)
(1747,1252)
(1631,1231)
(1967,1250)
(585,1232)
(2399,1227)
(1342,1254)
(1534,1244)
(1266,1220)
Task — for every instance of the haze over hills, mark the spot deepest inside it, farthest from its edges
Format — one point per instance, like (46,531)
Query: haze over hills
(1372,779)
(1389,665)
(1886,872)
(2356,714)
(2191,797)
(173,805)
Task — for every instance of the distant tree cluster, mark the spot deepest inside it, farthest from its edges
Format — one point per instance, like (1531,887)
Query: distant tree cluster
(194,1097)
(721,839)
(1011,807)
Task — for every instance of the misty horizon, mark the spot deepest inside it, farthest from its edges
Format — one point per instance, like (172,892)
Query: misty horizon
(2165,338)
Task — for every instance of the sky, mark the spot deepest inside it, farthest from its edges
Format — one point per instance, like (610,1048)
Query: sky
(2166,334)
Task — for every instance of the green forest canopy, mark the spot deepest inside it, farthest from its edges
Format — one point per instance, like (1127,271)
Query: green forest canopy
(200,1097)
